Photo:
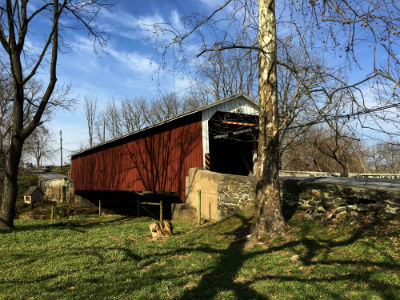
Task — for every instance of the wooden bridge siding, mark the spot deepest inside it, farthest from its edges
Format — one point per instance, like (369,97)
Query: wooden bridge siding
(157,162)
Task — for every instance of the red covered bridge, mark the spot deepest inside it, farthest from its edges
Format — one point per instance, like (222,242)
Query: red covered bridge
(158,158)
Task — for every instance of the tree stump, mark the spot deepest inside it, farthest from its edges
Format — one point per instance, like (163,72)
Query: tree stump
(160,230)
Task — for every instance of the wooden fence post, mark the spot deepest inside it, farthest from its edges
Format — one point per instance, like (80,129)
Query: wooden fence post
(52,213)
(199,207)
(99,208)
(161,211)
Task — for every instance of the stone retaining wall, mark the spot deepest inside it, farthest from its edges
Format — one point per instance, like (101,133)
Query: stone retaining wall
(224,194)
(329,200)
(235,193)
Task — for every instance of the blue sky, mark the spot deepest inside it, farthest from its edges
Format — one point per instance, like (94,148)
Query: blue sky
(128,66)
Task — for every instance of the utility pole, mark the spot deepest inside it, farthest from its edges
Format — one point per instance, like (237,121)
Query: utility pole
(61,156)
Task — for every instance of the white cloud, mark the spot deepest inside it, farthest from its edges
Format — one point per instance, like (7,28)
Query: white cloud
(145,21)
(83,44)
(129,20)
(212,3)
(32,47)
(182,84)
(142,27)
(134,61)
(176,20)
(129,26)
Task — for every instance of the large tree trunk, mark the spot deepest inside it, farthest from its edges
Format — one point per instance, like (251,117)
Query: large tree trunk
(269,219)
(20,132)
(7,209)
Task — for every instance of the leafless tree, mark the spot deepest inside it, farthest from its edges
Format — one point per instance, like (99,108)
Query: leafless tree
(15,25)
(374,158)
(228,73)
(90,108)
(113,119)
(134,113)
(39,145)
(326,149)
(100,127)
(128,115)
(164,108)
(195,99)
(386,156)
(33,90)
(5,113)
(340,28)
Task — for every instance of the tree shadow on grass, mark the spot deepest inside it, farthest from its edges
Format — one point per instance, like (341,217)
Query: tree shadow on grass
(223,277)
(75,225)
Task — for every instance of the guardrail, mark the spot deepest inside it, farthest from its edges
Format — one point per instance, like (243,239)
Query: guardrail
(335,174)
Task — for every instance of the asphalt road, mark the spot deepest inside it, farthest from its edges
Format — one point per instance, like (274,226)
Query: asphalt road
(48,175)
(374,183)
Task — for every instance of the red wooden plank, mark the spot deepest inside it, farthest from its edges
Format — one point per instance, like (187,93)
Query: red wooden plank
(158,162)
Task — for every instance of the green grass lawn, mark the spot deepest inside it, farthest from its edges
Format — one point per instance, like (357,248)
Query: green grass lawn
(114,258)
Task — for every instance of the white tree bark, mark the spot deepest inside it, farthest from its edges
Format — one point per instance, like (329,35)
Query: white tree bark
(269,219)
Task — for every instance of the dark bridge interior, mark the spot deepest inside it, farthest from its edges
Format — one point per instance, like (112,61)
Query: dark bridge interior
(126,203)
(233,138)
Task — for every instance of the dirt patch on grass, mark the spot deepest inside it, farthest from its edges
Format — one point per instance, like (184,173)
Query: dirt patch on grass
(42,211)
